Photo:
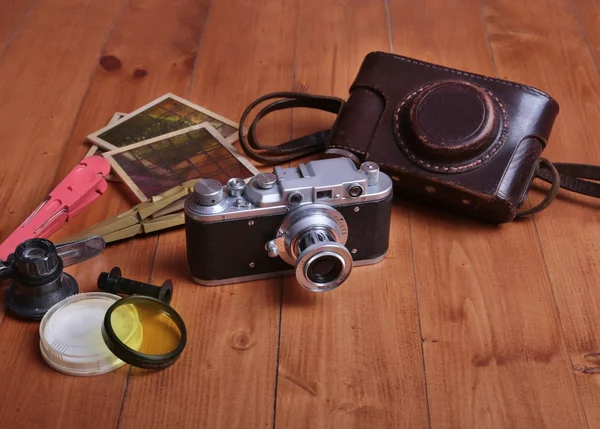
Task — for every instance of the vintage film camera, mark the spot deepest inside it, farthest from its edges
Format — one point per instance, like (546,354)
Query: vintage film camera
(318,219)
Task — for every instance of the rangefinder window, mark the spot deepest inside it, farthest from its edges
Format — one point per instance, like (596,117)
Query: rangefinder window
(323,194)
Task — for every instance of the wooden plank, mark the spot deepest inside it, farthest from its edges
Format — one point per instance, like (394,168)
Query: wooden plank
(13,14)
(119,88)
(130,75)
(495,354)
(349,357)
(352,357)
(551,54)
(587,13)
(459,45)
(226,376)
(38,69)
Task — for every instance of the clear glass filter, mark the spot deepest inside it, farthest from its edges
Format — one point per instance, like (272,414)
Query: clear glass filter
(71,334)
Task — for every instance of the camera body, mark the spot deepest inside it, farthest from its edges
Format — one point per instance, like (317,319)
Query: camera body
(317,220)
(455,139)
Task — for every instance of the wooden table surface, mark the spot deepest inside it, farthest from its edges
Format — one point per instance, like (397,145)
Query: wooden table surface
(463,325)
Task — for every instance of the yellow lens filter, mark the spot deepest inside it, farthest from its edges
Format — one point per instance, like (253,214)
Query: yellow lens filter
(95,333)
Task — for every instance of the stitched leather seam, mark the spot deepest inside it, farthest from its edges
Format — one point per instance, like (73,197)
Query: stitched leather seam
(440,167)
(393,171)
(352,149)
(471,75)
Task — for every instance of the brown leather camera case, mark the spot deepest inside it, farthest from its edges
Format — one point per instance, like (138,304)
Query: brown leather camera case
(460,140)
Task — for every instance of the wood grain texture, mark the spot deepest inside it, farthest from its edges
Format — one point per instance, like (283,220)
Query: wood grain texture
(13,14)
(226,376)
(137,65)
(587,13)
(462,325)
(494,349)
(118,85)
(350,357)
(429,34)
(528,50)
(43,79)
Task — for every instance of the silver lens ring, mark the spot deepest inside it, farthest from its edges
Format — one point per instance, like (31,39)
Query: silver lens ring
(304,219)
(323,267)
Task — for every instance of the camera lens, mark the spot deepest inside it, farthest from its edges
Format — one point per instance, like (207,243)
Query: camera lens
(314,238)
(324,268)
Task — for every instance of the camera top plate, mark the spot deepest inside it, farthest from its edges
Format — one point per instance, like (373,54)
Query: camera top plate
(333,182)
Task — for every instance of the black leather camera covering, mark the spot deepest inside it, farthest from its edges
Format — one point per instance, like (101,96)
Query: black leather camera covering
(225,249)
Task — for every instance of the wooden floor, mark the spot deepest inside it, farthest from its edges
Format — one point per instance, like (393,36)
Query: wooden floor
(463,325)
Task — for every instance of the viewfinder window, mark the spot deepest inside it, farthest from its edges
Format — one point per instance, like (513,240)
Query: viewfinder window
(323,194)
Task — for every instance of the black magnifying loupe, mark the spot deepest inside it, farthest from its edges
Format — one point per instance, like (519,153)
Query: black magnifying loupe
(38,280)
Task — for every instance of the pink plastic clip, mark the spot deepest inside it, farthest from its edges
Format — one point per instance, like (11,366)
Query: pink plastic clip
(83,185)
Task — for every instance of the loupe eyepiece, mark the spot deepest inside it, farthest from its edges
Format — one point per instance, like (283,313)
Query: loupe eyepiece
(38,281)
(37,258)
(36,267)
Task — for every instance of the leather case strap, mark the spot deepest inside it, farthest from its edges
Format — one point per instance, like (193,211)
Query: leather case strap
(296,148)
(573,177)
(578,178)
(552,176)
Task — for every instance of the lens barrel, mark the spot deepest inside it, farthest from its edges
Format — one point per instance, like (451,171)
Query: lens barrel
(325,268)
(314,238)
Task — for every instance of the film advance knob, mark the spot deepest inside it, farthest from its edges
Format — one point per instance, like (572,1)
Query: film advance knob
(371,169)
(208,192)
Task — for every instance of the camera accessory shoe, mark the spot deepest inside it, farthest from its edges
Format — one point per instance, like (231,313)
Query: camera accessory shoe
(39,282)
